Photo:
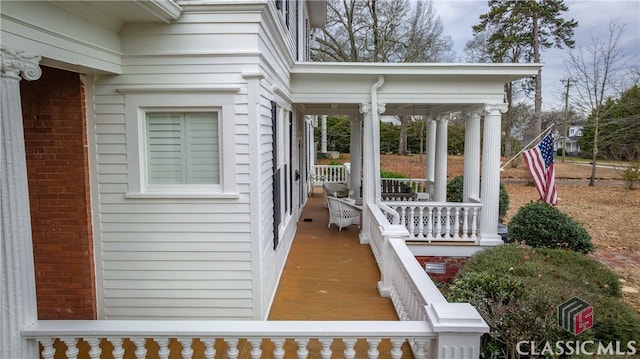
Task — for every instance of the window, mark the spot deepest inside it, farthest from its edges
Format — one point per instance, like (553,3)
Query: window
(178,142)
(182,148)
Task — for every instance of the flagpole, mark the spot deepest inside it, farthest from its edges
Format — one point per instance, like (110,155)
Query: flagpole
(527,146)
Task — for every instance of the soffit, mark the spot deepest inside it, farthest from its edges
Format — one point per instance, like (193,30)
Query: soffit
(114,14)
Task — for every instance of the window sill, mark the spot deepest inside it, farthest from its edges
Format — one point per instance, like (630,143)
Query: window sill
(179,195)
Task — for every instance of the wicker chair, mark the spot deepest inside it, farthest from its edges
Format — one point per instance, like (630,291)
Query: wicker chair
(342,212)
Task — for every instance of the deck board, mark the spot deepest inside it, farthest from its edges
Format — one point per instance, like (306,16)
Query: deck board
(329,275)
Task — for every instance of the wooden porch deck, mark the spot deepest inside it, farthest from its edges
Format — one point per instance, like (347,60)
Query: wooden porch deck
(329,275)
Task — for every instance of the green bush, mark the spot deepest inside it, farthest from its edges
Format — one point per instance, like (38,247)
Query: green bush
(542,225)
(517,290)
(389,174)
(454,194)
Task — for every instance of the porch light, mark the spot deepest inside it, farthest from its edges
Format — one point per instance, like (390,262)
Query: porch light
(436,268)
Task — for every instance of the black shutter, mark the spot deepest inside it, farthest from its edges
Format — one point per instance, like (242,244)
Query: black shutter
(291,159)
(276,174)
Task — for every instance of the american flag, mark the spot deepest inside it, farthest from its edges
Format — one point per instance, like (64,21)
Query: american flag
(539,160)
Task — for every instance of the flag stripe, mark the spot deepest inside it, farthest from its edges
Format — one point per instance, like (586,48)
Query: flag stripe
(539,160)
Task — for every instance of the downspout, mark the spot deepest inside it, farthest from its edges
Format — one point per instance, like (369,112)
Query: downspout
(375,118)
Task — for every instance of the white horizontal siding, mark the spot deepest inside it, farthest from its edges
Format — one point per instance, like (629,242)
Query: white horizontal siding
(193,257)
(172,257)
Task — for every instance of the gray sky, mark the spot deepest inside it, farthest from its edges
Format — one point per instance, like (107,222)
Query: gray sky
(593,17)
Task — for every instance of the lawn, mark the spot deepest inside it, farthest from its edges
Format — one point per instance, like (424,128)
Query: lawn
(610,215)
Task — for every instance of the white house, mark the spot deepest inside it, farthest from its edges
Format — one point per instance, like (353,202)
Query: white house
(156,157)
(574,133)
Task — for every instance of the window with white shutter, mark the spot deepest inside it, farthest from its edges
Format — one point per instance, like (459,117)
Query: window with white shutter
(182,148)
(179,144)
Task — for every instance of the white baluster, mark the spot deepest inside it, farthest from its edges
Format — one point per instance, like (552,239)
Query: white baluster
(325,353)
(456,223)
(411,224)
(278,347)
(373,352)
(72,348)
(421,345)
(430,223)
(141,351)
(465,223)
(438,223)
(255,352)
(420,234)
(349,343)
(447,223)
(94,344)
(232,350)
(474,224)
(396,348)
(186,352)
(302,351)
(118,351)
(209,349)
(48,351)
(163,347)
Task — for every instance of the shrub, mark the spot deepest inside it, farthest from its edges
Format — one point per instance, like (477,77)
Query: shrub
(542,225)
(517,291)
(389,174)
(454,194)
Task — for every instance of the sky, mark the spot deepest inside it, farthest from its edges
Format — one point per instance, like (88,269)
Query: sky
(593,18)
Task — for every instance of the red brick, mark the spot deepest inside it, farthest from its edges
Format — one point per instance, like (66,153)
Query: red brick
(55,138)
(453,265)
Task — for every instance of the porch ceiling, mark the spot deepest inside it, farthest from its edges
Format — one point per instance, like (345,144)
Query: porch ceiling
(339,88)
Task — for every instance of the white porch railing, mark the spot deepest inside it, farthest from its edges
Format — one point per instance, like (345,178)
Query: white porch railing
(328,173)
(234,339)
(439,221)
(458,326)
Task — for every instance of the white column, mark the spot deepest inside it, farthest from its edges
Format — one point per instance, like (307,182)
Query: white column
(471,187)
(490,187)
(18,291)
(368,177)
(356,156)
(440,175)
(323,135)
(430,166)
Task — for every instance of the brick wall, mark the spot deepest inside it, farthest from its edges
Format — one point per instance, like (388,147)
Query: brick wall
(55,140)
(453,265)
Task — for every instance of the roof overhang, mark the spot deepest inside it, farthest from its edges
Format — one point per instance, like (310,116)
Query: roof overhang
(338,88)
(116,13)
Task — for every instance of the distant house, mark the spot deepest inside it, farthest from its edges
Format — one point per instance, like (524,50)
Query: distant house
(574,133)
(157,156)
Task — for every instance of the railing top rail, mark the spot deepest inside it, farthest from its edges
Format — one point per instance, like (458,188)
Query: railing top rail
(227,328)
(432,204)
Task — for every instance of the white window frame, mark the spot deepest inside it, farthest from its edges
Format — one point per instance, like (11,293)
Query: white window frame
(140,101)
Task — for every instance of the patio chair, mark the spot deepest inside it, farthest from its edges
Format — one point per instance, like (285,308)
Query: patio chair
(342,212)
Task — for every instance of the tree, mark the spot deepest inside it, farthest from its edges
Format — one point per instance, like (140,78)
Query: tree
(382,31)
(619,131)
(594,70)
(518,31)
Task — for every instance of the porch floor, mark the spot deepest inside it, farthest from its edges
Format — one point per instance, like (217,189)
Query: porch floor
(329,275)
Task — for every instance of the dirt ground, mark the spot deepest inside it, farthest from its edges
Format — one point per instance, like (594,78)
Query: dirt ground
(609,213)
